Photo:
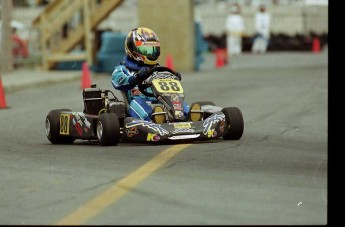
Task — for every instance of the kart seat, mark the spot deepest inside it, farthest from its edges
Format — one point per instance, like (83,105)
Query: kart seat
(93,100)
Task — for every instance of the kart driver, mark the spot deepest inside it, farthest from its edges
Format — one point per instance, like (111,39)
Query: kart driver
(142,52)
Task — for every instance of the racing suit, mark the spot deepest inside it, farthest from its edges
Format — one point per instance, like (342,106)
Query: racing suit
(123,79)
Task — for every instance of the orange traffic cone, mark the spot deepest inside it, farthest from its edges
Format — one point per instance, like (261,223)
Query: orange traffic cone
(170,62)
(85,77)
(2,96)
(225,56)
(219,58)
(316,45)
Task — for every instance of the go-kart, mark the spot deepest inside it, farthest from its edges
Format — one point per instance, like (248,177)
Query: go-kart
(106,119)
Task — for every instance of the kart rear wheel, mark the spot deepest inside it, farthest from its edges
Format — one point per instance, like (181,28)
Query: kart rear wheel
(234,122)
(52,126)
(108,129)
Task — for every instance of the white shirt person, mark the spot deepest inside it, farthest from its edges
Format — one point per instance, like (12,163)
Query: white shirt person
(234,27)
(262,28)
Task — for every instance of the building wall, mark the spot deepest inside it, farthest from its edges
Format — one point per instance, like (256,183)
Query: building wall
(173,22)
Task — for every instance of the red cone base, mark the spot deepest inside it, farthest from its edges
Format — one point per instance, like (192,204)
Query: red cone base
(3,104)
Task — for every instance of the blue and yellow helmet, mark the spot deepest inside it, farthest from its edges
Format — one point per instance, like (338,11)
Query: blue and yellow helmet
(142,45)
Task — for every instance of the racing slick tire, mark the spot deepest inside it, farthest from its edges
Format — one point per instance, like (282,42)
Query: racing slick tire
(108,129)
(52,126)
(234,122)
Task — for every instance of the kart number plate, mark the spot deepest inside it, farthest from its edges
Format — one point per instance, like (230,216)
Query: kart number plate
(168,86)
(64,124)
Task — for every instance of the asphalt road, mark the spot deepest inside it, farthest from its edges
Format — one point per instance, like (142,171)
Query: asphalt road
(275,175)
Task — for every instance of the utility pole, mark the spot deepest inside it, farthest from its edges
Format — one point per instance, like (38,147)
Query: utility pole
(6,57)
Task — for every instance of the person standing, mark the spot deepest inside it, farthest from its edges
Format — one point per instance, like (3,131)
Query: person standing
(19,48)
(234,27)
(262,30)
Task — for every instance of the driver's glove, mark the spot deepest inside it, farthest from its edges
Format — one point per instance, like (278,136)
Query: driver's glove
(142,73)
(137,76)
(178,75)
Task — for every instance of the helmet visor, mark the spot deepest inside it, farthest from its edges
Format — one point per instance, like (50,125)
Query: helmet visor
(150,50)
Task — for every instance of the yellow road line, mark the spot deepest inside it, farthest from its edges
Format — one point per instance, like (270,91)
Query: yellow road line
(96,205)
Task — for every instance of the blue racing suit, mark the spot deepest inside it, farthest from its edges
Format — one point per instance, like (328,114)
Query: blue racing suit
(123,79)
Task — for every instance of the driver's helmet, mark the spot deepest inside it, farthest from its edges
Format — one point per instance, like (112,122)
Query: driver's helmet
(142,45)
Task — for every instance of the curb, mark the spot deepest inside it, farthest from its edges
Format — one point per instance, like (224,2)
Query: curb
(18,87)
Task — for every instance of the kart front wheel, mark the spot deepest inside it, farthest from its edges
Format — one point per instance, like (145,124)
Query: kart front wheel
(234,123)
(52,126)
(108,129)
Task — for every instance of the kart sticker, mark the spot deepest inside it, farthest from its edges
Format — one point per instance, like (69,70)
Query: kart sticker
(153,137)
(211,133)
(64,124)
(150,125)
(82,121)
(86,122)
(77,117)
(179,113)
(168,86)
(177,105)
(79,129)
(175,98)
(222,126)
(183,130)
(182,125)
(132,131)
(212,120)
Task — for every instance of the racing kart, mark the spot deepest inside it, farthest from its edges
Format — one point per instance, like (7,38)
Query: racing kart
(105,118)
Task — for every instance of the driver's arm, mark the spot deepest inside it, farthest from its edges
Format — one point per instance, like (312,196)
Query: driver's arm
(123,79)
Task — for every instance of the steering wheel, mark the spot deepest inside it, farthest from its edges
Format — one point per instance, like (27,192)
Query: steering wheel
(142,86)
